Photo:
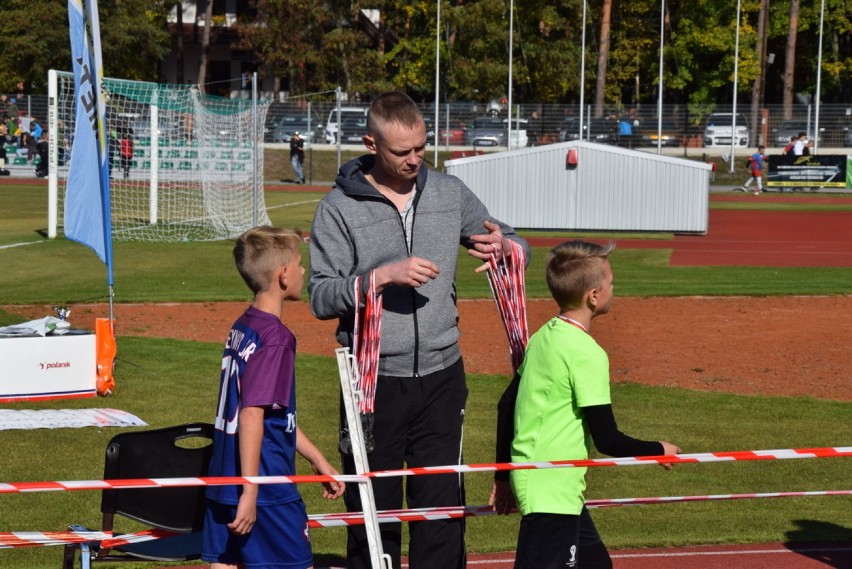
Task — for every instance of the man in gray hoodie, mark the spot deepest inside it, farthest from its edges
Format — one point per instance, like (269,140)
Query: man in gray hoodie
(388,214)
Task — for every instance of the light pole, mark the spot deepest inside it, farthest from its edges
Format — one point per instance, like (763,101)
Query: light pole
(819,77)
(437,77)
(734,109)
(582,71)
(660,90)
(509,99)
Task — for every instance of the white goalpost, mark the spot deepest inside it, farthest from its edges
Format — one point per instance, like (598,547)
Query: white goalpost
(183,166)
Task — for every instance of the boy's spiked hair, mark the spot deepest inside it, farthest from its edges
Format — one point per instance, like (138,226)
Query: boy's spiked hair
(574,268)
(261,250)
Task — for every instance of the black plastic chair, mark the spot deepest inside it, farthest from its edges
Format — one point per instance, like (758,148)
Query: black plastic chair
(172,452)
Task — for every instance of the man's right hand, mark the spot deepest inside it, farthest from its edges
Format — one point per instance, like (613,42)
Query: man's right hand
(411,272)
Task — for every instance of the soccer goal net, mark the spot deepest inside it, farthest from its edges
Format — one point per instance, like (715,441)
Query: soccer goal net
(183,166)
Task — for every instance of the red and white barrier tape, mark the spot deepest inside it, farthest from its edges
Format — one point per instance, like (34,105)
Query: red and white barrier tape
(426,514)
(136,483)
(779,454)
(506,278)
(733,456)
(611,503)
(16,539)
(33,539)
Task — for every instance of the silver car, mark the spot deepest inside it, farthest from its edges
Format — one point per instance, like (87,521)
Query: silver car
(787,129)
(494,131)
(282,130)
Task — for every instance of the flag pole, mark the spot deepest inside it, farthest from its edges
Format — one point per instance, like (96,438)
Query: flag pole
(87,194)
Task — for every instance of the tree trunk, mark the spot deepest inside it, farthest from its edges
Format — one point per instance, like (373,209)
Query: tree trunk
(790,59)
(603,57)
(179,46)
(205,47)
(760,80)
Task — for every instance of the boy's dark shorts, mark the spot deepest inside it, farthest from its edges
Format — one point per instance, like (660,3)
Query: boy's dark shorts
(556,541)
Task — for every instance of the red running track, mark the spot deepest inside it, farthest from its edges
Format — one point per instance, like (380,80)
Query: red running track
(752,556)
(756,239)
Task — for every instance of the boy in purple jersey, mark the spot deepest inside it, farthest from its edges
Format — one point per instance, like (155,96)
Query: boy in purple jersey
(261,526)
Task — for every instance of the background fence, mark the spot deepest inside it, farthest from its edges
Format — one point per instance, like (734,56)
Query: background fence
(548,123)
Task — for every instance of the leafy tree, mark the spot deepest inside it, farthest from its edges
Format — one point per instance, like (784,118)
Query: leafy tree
(548,50)
(287,38)
(703,39)
(478,51)
(634,52)
(350,55)
(36,38)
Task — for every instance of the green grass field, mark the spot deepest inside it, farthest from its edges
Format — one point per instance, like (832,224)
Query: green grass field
(168,382)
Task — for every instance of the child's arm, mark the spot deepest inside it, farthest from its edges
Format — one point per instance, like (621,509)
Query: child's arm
(250,437)
(609,440)
(304,446)
(502,499)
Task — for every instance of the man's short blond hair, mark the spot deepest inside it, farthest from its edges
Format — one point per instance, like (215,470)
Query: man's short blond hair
(392,107)
(260,251)
(573,269)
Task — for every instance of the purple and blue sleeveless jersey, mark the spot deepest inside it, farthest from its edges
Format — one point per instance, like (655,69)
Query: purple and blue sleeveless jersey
(258,370)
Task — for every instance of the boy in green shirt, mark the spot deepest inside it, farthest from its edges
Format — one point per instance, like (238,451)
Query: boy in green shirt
(563,404)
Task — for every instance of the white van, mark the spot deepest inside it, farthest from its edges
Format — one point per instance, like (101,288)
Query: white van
(717,130)
(345,112)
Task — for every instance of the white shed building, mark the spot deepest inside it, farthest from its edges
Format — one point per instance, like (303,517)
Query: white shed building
(586,186)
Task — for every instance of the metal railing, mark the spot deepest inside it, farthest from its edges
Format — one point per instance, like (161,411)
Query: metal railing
(546,123)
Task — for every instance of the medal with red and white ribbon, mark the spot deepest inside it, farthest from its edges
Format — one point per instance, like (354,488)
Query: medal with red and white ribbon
(367,333)
(506,278)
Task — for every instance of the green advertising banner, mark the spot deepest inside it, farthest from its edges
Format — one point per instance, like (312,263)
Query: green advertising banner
(849,171)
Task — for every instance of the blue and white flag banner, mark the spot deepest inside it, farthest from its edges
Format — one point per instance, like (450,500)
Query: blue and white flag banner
(87,199)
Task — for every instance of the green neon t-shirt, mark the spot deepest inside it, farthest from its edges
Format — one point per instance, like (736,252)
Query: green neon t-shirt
(564,370)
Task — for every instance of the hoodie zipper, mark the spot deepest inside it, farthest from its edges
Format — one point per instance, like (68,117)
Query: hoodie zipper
(412,294)
(416,364)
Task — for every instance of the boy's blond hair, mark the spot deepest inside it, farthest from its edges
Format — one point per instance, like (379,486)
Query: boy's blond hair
(392,107)
(261,250)
(574,268)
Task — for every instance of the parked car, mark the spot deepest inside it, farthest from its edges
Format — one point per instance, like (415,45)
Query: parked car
(345,112)
(485,131)
(454,134)
(430,129)
(787,129)
(602,131)
(845,129)
(283,128)
(669,135)
(836,133)
(717,130)
(141,126)
(493,131)
(353,130)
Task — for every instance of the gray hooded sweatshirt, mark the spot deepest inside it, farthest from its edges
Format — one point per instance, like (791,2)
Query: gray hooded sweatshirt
(356,230)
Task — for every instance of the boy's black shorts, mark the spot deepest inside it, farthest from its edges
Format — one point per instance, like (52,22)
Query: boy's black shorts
(560,541)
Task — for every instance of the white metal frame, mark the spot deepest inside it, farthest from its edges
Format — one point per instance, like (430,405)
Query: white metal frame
(347,369)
